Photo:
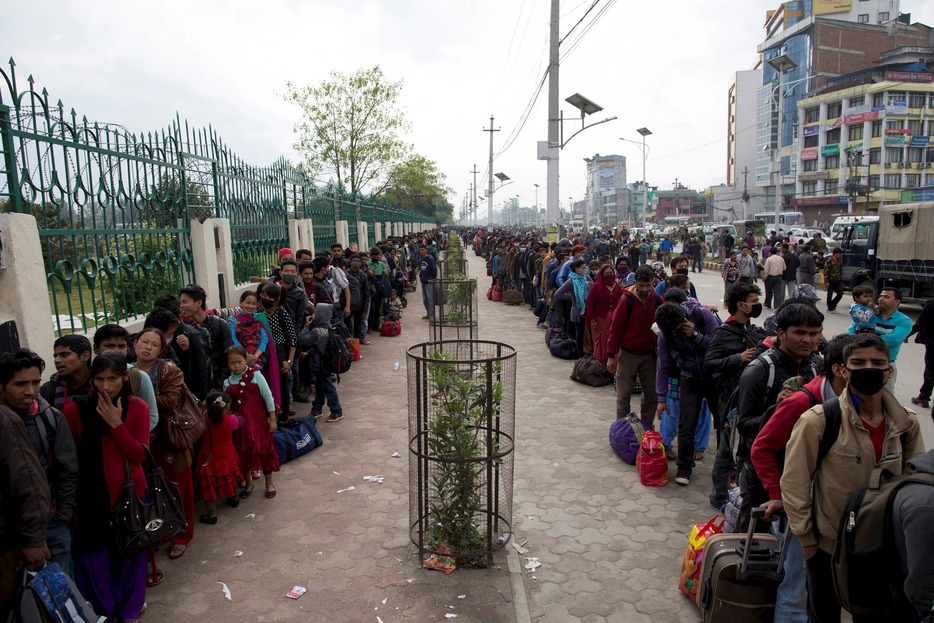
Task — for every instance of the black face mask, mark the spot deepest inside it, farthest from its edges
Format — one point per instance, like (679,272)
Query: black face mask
(267,304)
(756,310)
(681,271)
(288,279)
(867,381)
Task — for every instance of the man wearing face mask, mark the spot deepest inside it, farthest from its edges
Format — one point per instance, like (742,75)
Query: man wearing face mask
(296,300)
(875,431)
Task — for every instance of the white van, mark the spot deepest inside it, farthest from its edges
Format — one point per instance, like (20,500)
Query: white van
(842,222)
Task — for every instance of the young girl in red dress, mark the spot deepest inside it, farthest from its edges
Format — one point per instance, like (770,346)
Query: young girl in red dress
(219,467)
(253,400)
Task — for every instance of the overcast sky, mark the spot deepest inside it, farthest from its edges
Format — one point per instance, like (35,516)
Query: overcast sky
(665,65)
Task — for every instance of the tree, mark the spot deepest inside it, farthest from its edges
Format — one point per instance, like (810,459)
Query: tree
(417,184)
(351,127)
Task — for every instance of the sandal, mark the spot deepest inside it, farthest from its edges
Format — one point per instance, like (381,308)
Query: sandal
(233,501)
(246,493)
(271,494)
(209,520)
(177,551)
(154,580)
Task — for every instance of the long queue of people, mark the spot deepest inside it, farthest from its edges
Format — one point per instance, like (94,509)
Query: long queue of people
(767,389)
(68,445)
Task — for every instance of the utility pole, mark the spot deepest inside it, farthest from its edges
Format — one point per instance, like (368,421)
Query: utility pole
(552,213)
(746,194)
(474,192)
(489,199)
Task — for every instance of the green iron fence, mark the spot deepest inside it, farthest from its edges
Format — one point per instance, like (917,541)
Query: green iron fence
(113,208)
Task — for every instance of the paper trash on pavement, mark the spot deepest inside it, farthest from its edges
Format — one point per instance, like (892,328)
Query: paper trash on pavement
(522,550)
(296,592)
(533,564)
(396,455)
(377,479)
(226,591)
(350,488)
(238,554)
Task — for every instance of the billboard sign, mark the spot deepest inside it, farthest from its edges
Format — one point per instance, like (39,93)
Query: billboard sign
(897,107)
(606,176)
(830,150)
(811,130)
(908,76)
(809,154)
(810,176)
(920,141)
(826,7)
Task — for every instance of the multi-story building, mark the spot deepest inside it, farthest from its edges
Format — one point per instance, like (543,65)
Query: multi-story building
(607,194)
(867,139)
(817,40)
(681,202)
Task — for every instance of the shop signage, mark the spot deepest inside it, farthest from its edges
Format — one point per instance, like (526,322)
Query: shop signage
(897,131)
(811,130)
(908,76)
(895,141)
(809,154)
(861,117)
(811,176)
(830,150)
(897,107)
(921,194)
(920,141)
(818,201)
(836,123)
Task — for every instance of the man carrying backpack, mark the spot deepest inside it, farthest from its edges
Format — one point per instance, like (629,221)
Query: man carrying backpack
(794,354)
(314,338)
(682,343)
(872,430)
(50,437)
(914,540)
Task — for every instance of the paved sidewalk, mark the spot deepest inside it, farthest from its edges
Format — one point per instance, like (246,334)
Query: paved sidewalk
(610,548)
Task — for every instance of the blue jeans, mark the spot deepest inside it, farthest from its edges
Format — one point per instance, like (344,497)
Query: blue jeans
(428,298)
(325,391)
(791,602)
(58,538)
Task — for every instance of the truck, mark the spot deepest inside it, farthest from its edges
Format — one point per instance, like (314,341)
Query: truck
(897,249)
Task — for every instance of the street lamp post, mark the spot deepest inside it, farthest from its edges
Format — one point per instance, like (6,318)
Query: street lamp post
(536,201)
(782,64)
(645,185)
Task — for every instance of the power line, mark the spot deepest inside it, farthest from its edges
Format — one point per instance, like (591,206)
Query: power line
(586,13)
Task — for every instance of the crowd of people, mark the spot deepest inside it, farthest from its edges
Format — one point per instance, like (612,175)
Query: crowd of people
(764,387)
(67,445)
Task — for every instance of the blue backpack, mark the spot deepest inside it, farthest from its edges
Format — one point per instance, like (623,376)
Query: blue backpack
(626,435)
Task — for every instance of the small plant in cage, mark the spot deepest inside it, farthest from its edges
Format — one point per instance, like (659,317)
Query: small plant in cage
(457,437)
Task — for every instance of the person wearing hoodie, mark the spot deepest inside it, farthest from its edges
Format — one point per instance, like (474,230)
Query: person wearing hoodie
(684,334)
(314,339)
(912,510)
(768,455)
(20,376)
(631,345)
(875,432)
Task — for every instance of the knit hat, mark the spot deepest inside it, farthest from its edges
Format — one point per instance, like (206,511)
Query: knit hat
(285,251)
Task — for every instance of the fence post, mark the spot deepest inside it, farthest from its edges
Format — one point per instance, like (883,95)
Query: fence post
(362,237)
(9,159)
(23,283)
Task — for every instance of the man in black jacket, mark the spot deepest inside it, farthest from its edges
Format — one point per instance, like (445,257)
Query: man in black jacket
(51,439)
(732,346)
(794,354)
(358,284)
(216,333)
(187,345)
(924,328)
(790,276)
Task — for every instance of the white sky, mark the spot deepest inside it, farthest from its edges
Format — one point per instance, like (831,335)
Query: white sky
(665,65)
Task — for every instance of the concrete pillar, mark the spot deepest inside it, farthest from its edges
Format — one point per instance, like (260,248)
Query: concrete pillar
(362,238)
(377,231)
(204,252)
(295,234)
(387,229)
(343,233)
(224,262)
(23,283)
(308,233)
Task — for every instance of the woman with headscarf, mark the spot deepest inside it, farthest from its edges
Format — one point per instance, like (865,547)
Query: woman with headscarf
(624,275)
(601,301)
(576,289)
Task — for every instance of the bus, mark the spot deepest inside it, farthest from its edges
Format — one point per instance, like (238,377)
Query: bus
(786,219)
(677,220)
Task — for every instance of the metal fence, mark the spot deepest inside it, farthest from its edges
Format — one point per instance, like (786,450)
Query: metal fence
(113,207)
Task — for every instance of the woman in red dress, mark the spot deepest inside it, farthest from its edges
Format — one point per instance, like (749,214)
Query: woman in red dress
(602,300)
(219,468)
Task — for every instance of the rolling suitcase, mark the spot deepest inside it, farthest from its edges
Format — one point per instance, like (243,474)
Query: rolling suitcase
(738,581)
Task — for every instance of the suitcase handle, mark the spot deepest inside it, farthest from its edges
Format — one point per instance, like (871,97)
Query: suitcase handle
(759,564)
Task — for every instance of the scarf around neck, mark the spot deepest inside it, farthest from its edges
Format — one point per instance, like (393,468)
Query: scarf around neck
(581,289)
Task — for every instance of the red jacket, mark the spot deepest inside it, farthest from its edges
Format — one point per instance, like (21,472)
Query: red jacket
(127,440)
(769,446)
(633,334)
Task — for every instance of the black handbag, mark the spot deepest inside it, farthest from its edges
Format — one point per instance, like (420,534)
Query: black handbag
(142,523)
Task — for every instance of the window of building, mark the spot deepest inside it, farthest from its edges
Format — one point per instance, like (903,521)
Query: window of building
(915,126)
(834,110)
(811,141)
(883,17)
(877,129)
(809,188)
(830,187)
(855,132)
(916,100)
(857,101)
(931,100)
(832,162)
(833,136)
(894,124)
(809,165)
(812,115)
(912,180)
(862,18)
(893,96)
(929,179)
(878,99)
(893,154)
(929,154)
(930,128)
(915,154)
(874,182)
(875,155)
(893,181)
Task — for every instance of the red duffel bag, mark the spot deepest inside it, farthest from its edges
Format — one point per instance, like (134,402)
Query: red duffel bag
(390,328)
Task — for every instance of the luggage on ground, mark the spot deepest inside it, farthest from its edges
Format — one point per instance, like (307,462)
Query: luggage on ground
(739,575)
(651,461)
(354,344)
(296,438)
(563,347)
(513,297)
(497,294)
(590,371)
(50,595)
(694,555)
(626,435)
(391,328)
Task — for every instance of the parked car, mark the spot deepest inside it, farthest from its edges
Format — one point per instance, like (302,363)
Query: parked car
(805,234)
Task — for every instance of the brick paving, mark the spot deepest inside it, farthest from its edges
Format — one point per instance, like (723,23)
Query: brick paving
(610,549)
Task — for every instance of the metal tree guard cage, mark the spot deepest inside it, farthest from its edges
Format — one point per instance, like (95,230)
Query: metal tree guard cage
(455,310)
(462,400)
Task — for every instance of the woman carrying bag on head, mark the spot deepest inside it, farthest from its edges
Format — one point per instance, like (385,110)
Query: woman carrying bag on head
(110,427)
(167,381)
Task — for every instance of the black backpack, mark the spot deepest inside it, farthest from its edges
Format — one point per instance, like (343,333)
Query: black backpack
(337,354)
